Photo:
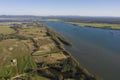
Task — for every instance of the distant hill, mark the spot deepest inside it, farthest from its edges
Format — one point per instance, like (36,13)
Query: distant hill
(18,16)
(85,19)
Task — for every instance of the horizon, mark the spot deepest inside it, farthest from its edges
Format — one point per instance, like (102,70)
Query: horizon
(61,16)
(92,8)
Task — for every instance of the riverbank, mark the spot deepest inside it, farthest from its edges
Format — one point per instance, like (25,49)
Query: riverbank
(97,25)
(39,54)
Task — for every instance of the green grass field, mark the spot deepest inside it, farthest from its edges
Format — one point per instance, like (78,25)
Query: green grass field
(6,30)
(98,25)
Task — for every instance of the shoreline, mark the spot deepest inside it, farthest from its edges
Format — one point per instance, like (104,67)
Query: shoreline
(85,25)
(83,69)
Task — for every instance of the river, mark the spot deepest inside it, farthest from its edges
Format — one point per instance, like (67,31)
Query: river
(96,49)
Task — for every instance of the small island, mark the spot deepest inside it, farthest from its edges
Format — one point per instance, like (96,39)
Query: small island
(97,25)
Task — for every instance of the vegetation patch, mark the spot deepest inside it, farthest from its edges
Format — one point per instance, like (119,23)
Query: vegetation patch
(6,30)
(24,65)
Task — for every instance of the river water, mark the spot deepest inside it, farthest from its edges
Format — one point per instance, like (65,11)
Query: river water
(96,49)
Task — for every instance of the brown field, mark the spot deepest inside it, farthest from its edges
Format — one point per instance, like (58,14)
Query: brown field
(10,49)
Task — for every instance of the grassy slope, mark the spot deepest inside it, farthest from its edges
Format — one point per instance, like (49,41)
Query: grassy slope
(6,30)
(97,25)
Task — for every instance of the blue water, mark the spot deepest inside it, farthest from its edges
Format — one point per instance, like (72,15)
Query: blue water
(96,49)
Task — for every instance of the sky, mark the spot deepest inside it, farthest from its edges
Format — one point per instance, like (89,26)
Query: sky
(60,7)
